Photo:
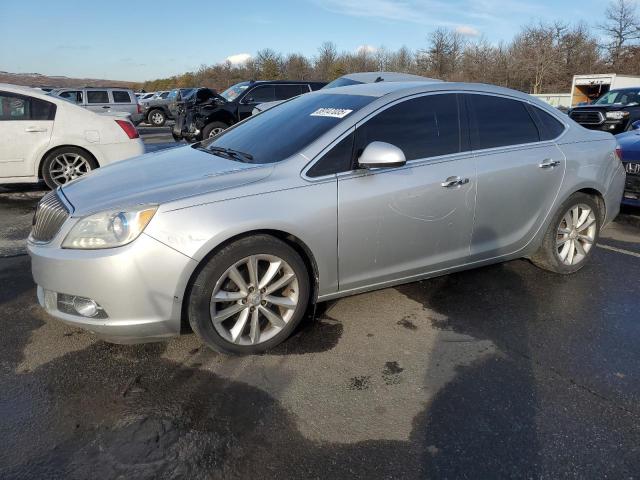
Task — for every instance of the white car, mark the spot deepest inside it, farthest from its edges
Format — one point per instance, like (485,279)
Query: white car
(48,138)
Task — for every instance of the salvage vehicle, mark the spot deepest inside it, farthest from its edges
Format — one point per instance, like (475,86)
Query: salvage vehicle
(613,112)
(103,100)
(209,117)
(377,185)
(47,138)
(157,111)
(356,79)
(629,151)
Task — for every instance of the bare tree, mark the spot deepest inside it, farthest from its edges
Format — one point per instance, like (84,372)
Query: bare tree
(621,27)
(324,62)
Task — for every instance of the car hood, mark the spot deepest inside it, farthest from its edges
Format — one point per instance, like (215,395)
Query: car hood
(601,108)
(630,144)
(158,178)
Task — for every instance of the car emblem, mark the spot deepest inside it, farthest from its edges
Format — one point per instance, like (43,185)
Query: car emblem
(633,168)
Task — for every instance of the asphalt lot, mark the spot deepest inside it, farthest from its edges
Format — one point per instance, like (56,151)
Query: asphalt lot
(500,372)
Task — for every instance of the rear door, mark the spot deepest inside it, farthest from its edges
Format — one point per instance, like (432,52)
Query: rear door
(285,92)
(398,223)
(25,129)
(520,172)
(122,102)
(97,100)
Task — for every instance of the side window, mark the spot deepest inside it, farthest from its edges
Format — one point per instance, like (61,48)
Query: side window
(422,127)
(120,96)
(498,122)
(14,107)
(97,96)
(338,159)
(551,128)
(261,94)
(74,96)
(42,110)
(164,94)
(284,92)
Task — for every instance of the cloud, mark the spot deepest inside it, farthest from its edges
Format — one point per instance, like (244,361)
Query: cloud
(467,31)
(238,58)
(366,49)
(435,13)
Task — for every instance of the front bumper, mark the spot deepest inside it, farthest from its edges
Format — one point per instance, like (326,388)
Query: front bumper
(140,287)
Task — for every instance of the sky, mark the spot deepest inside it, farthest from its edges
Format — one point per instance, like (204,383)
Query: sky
(143,40)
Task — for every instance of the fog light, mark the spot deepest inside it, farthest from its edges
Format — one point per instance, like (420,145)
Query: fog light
(85,306)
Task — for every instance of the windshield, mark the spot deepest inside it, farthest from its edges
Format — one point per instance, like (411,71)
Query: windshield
(340,82)
(619,97)
(280,132)
(231,93)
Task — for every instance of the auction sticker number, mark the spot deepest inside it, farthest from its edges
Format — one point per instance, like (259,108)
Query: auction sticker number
(331,112)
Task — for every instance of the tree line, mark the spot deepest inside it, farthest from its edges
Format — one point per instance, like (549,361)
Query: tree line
(541,58)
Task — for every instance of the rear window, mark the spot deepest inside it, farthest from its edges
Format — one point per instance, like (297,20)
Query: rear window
(97,96)
(289,127)
(120,96)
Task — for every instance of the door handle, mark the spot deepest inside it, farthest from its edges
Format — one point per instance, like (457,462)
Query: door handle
(454,182)
(35,129)
(548,163)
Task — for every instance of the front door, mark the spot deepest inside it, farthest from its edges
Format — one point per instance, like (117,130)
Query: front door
(399,223)
(25,130)
(255,96)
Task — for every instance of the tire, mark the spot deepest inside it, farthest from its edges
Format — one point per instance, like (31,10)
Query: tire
(156,118)
(65,164)
(213,129)
(564,243)
(253,310)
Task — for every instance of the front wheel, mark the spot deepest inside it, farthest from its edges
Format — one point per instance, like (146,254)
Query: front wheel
(250,296)
(213,129)
(571,237)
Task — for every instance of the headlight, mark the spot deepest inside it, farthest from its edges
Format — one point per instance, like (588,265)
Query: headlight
(617,115)
(109,229)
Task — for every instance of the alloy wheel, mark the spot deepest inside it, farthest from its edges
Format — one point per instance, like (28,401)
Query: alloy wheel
(215,131)
(157,118)
(576,234)
(68,166)
(254,299)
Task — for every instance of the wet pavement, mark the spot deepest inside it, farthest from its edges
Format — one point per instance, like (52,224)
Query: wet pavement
(500,372)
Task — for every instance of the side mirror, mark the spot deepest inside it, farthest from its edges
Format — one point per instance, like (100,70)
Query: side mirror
(248,101)
(636,125)
(381,155)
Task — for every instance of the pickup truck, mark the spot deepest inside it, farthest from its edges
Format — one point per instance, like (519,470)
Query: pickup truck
(206,113)
(157,111)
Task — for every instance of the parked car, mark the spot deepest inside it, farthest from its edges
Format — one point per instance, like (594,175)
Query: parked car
(239,234)
(629,151)
(356,79)
(207,117)
(614,112)
(103,100)
(47,138)
(145,96)
(157,111)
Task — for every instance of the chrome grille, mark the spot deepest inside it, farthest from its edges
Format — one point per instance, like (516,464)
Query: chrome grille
(587,117)
(50,215)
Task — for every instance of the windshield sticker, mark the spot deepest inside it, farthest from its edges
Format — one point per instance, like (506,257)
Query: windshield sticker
(331,112)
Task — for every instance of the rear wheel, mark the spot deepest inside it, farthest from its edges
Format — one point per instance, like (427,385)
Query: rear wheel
(250,296)
(65,164)
(571,237)
(213,129)
(157,118)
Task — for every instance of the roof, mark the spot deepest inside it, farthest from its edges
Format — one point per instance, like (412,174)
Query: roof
(401,89)
(371,77)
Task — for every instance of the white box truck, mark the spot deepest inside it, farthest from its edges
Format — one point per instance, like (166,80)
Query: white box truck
(587,88)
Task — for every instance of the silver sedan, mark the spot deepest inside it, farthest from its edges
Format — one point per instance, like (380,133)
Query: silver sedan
(334,193)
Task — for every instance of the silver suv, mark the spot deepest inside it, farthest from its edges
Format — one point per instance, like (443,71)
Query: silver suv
(103,100)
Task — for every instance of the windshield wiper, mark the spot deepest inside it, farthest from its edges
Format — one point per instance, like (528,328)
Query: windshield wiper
(228,152)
